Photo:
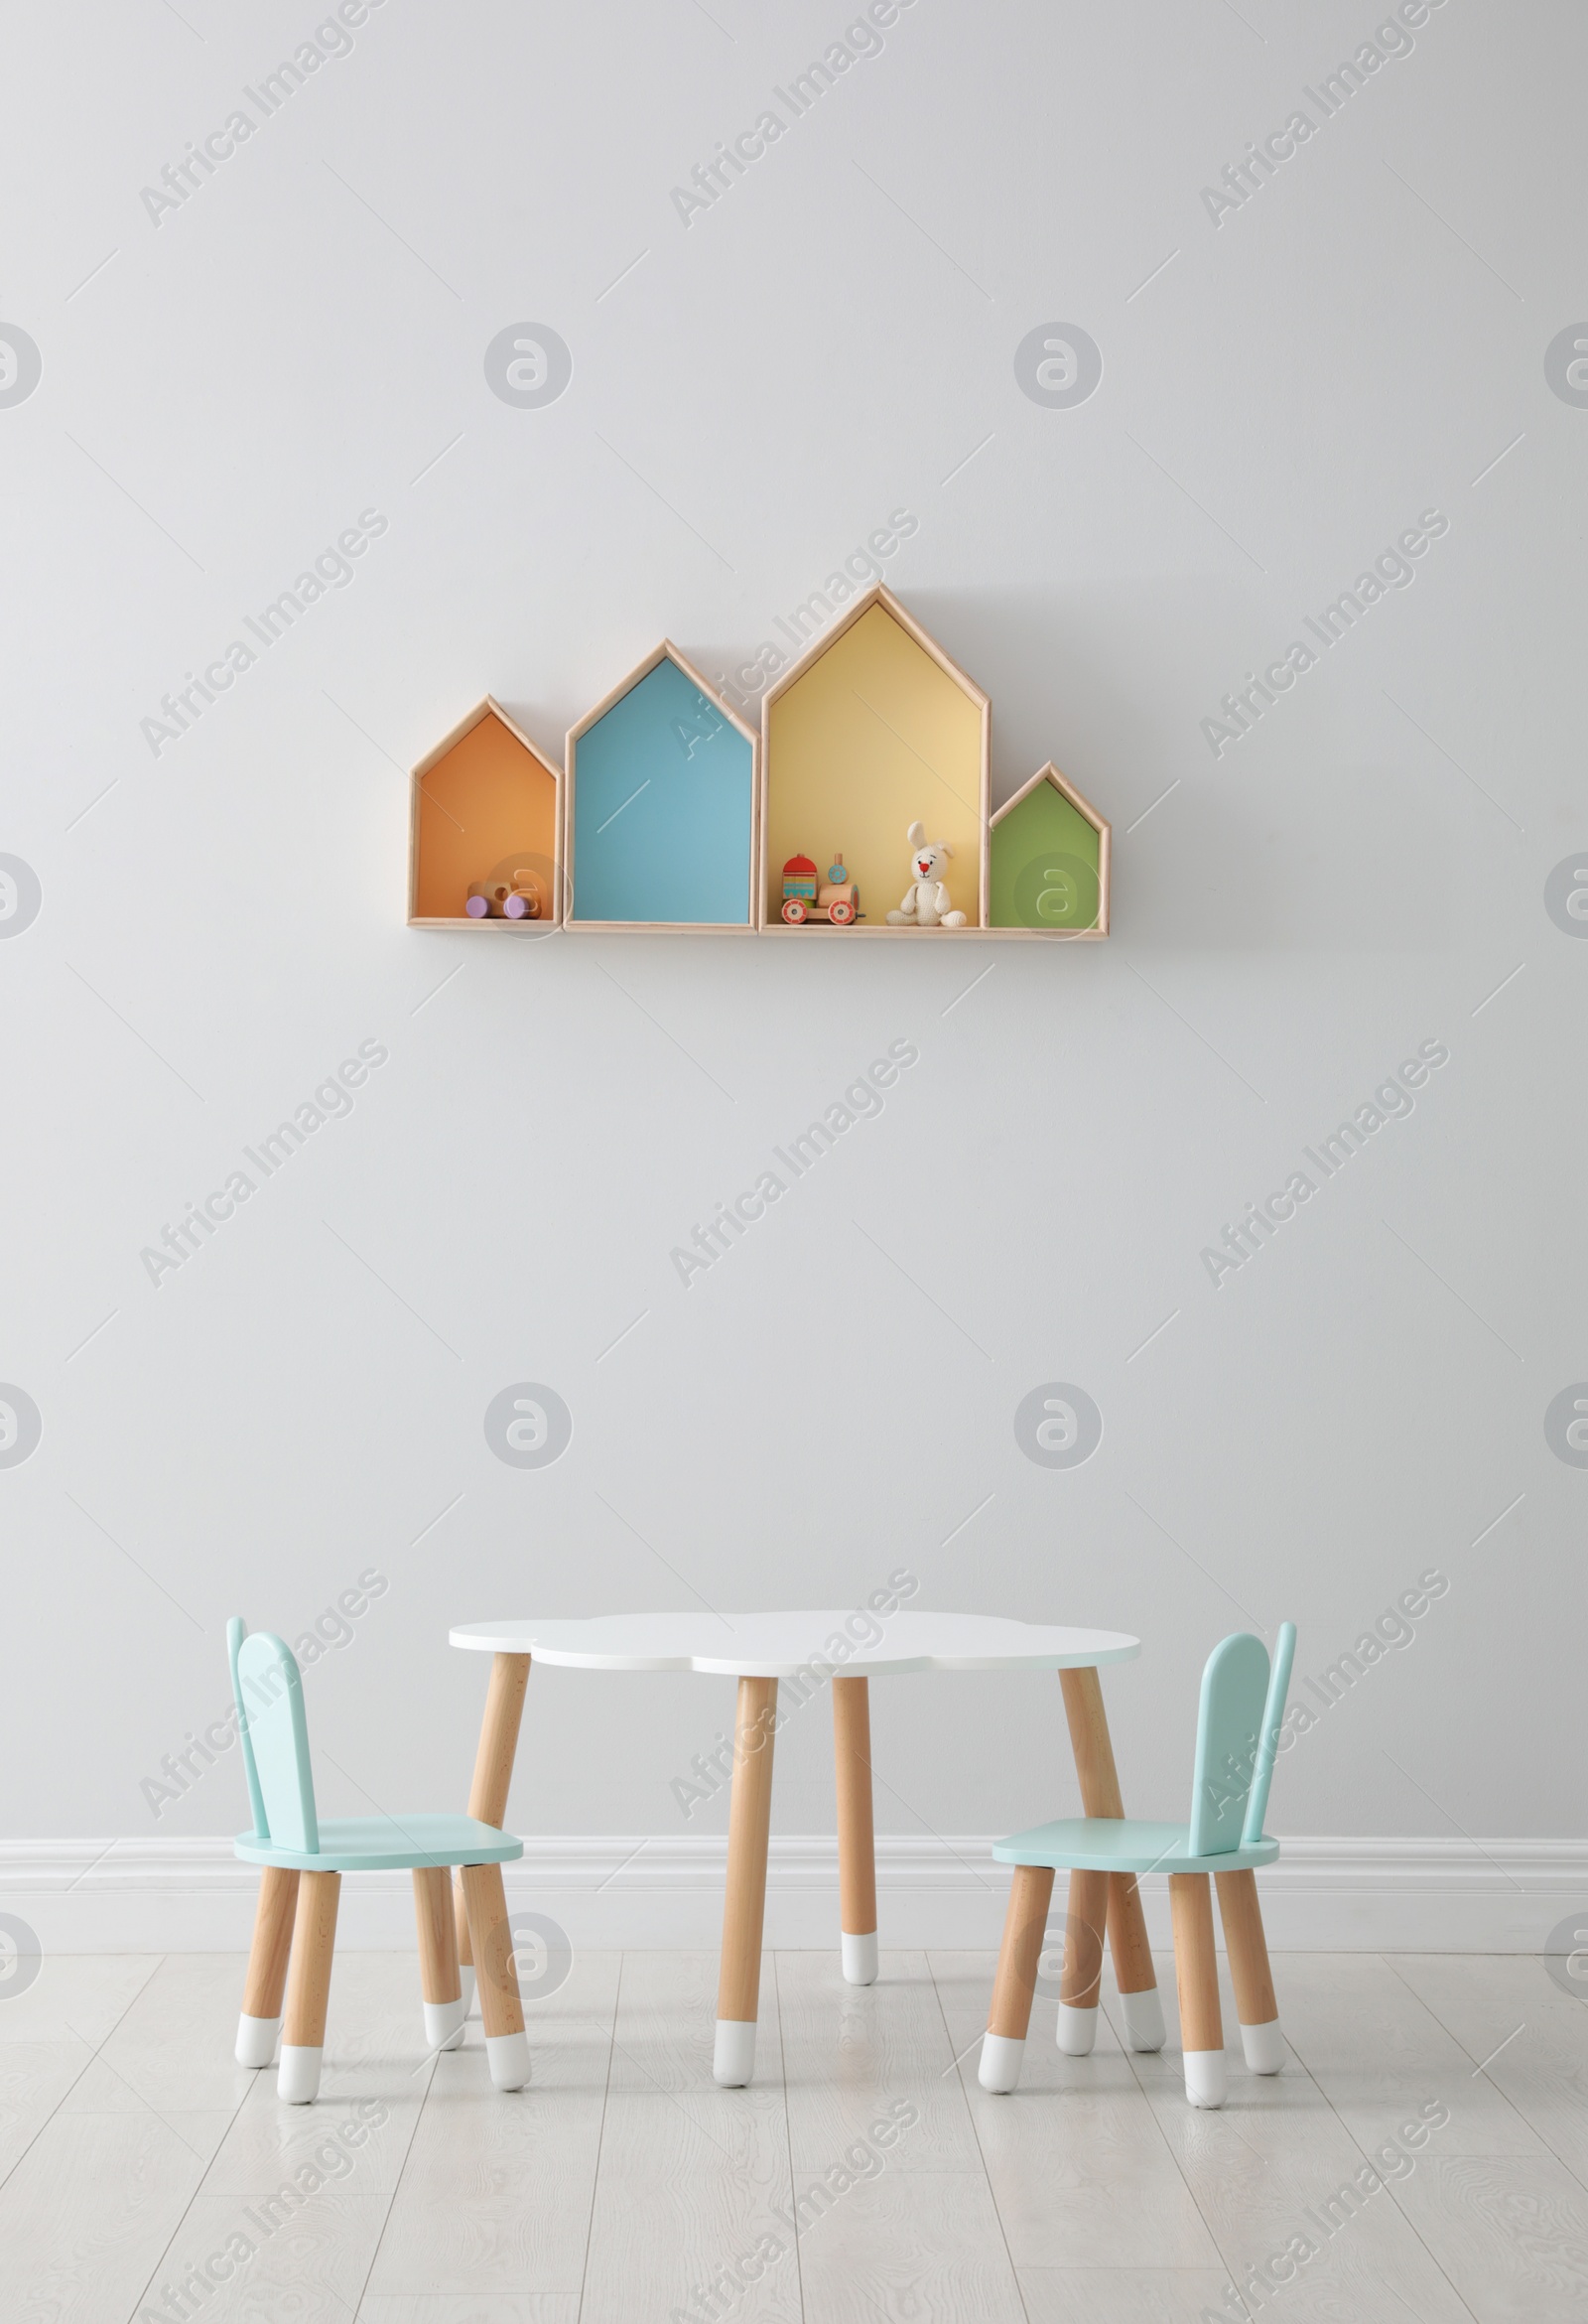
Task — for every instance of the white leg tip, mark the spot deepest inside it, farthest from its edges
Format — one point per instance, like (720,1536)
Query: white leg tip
(508,2054)
(1144,2019)
(297,2076)
(1263,2046)
(860,1958)
(1078,2030)
(256,2040)
(1206,2081)
(467,1973)
(734,2058)
(444,2024)
(1001,2059)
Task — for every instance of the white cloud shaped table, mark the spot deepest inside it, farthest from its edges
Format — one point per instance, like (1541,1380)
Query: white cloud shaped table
(843,1648)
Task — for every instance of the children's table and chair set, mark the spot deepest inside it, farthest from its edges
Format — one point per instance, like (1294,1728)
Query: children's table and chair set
(465,1941)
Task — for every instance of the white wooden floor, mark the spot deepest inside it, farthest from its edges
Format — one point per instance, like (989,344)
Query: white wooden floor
(622,2186)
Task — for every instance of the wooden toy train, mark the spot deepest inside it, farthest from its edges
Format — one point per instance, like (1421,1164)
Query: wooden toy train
(836,899)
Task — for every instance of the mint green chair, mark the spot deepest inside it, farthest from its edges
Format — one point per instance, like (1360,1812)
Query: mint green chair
(1238,1738)
(303,1857)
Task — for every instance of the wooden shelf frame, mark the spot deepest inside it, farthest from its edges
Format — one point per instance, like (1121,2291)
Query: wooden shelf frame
(665,651)
(760,918)
(486,707)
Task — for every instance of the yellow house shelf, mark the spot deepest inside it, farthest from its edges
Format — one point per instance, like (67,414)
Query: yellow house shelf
(874,731)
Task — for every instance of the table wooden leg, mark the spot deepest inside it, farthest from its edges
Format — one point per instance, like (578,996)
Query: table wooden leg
(856,1847)
(314,1939)
(266,1980)
(1252,1979)
(1133,1972)
(506,2043)
(494,1776)
(1196,1973)
(1020,1957)
(749,1826)
(439,1977)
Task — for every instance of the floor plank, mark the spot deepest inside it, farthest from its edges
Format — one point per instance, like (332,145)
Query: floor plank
(307,2261)
(172,2048)
(667,2024)
(1124,2295)
(373,2083)
(1526,2037)
(925,2246)
(493,2308)
(1381,2058)
(1512,2229)
(1264,2170)
(693,2195)
(1077,2165)
(88,2211)
(496,2187)
(77,1996)
(495,2192)
(871,2068)
(49,2036)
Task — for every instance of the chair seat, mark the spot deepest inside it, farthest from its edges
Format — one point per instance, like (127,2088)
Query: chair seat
(1122,1843)
(388,1843)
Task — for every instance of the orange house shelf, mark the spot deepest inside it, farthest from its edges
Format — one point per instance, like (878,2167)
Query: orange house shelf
(485,805)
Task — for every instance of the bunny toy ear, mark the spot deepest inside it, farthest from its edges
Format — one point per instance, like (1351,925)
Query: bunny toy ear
(916,834)
(944,844)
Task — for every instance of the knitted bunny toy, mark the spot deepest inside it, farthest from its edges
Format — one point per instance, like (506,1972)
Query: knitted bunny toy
(926,901)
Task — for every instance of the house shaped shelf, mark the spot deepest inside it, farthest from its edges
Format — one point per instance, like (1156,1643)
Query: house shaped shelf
(874,729)
(484,808)
(675,817)
(659,810)
(1049,862)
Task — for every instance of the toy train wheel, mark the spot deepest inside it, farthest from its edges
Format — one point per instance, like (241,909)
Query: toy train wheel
(794,912)
(841,913)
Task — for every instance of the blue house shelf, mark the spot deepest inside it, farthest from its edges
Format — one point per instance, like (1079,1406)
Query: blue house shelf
(660,805)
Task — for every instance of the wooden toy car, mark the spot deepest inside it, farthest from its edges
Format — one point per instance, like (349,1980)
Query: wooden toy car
(514,896)
(836,899)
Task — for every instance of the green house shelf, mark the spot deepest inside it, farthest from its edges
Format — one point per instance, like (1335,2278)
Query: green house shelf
(1049,862)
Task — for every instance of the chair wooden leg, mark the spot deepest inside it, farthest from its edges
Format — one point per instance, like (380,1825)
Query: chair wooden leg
(439,1977)
(506,2043)
(1081,1979)
(302,2036)
(1133,1973)
(1019,1958)
(856,1847)
(1252,1979)
(750,1824)
(493,1777)
(1196,1973)
(266,1980)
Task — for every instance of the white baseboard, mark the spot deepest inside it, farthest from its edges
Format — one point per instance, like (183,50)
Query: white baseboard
(1323,1895)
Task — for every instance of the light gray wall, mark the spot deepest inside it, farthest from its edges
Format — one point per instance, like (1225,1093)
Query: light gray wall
(831,340)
